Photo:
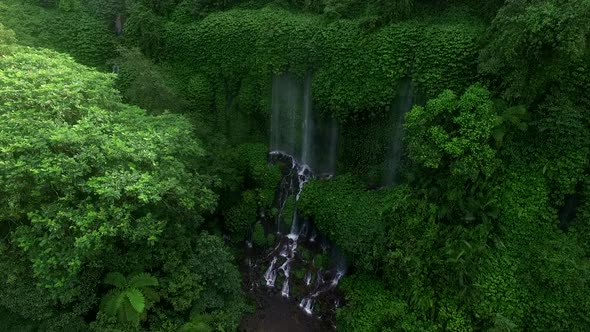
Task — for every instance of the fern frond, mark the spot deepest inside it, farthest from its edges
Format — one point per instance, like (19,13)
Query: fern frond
(136,299)
(113,302)
(105,299)
(143,280)
(128,314)
(115,279)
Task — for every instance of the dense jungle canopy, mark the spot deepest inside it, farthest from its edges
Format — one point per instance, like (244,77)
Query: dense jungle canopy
(134,162)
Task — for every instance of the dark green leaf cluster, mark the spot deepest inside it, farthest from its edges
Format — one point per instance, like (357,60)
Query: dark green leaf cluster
(83,36)
(237,51)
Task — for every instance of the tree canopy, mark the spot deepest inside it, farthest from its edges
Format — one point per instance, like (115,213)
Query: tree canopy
(136,192)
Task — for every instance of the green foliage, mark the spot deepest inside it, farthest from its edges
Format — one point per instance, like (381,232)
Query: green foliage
(258,173)
(222,296)
(12,322)
(563,132)
(83,172)
(532,46)
(83,36)
(372,14)
(241,217)
(550,267)
(452,143)
(195,9)
(350,216)
(371,307)
(131,297)
(288,212)
(446,56)
(259,237)
(7,36)
(144,29)
(469,242)
(106,9)
(198,323)
(69,5)
(385,56)
(321,261)
(455,134)
(581,224)
(344,55)
(456,319)
(144,84)
(251,188)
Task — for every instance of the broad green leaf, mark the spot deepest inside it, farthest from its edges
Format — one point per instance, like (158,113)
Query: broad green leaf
(143,280)
(136,299)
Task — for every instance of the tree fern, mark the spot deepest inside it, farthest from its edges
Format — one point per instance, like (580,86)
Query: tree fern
(128,314)
(131,296)
(143,280)
(136,299)
(112,302)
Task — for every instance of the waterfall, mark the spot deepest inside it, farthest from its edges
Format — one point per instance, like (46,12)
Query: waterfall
(401,104)
(307,123)
(271,275)
(321,285)
(307,279)
(286,114)
(307,305)
(119,23)
(296,130)
(285,289)
(288,244)
(306,144)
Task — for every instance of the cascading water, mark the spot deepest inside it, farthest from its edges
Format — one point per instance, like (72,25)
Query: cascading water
(301,142)
(301,232)
(287,106)
(286,250)
(401,104)
(271,274)
(307,123)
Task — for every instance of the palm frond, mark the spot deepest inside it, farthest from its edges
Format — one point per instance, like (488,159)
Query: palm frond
(114,302)
(136,299)
(128,314)
(105,299)
(143,280)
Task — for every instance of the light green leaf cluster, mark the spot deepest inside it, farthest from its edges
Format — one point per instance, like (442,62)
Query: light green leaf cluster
(455,133)
(81,170)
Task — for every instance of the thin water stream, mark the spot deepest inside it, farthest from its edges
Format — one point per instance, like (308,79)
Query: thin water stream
(302,268)
(299,274)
